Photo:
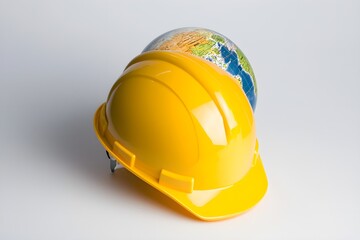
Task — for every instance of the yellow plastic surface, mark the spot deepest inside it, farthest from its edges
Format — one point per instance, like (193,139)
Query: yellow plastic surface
(185,127)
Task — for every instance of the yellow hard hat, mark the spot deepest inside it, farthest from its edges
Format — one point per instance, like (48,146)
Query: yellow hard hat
(185,127)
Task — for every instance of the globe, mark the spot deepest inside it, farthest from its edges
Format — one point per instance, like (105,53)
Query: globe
(212,47)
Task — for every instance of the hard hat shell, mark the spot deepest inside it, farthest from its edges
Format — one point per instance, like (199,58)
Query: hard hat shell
(185,127)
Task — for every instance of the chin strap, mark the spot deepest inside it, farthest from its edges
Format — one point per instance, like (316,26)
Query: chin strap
(113,162)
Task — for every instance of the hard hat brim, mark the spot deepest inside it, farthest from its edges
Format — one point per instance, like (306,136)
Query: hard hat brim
(209,205)
(218,204)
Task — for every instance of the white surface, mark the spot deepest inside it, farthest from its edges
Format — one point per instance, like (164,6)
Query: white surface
(58,60)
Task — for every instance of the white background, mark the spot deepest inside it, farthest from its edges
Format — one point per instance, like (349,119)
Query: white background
(58,60)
